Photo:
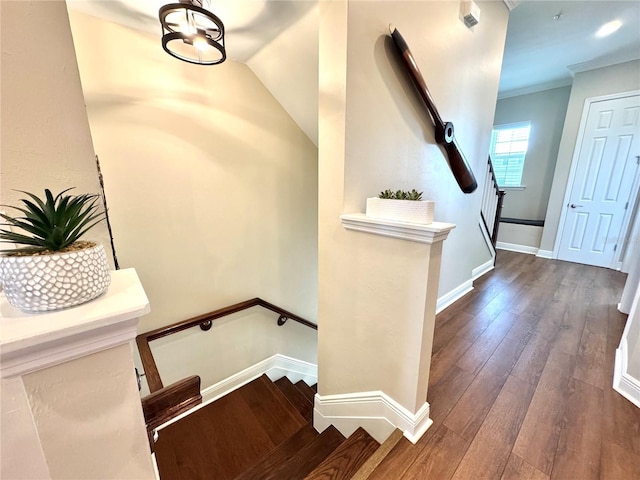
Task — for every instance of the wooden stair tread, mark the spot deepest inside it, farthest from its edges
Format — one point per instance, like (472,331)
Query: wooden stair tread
(347,458)
(395,463)
(306,390)
(278,417)
(378,456)
(308,458)
(228,436)
(296,398)
(281,454)
(223,438)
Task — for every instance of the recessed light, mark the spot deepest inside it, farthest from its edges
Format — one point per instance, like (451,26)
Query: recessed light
(608,28)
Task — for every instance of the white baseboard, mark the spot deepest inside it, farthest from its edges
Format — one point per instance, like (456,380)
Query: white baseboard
(623,383)
(376,412)
(448,298)
(477,272)
(512,247)
(545,254)
(274,367)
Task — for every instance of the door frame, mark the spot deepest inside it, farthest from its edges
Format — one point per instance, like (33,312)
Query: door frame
(617,260)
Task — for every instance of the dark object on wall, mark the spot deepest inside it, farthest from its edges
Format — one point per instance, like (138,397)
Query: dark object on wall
(443,130)
(106,214)
(191,33)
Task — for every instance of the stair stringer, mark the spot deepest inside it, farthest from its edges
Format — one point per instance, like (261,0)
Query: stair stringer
(376,412)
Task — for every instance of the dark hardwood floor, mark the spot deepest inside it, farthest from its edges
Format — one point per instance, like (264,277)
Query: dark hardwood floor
(520,384)
(520,388)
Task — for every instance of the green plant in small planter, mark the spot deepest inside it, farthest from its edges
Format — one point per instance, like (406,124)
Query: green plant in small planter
(53,224)
(400,195)
(52,268)
(400,205)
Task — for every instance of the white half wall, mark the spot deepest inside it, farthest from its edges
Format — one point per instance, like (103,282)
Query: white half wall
(516,234)
(626,377)
(375,305)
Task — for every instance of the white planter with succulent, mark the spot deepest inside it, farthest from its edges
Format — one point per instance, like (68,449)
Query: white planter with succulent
(401,206)
(52,269)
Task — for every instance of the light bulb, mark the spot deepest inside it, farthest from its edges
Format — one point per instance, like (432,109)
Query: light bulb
(188,28)
(200,43)
(608,28)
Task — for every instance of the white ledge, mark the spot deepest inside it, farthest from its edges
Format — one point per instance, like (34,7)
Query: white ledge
(416,232)
(30,342)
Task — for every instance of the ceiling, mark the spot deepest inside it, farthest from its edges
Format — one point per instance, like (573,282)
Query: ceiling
(541,52)
(249,24)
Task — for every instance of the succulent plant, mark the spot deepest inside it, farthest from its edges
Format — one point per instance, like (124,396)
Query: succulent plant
(52,224)
(400,195)
(387,194)
(414,195)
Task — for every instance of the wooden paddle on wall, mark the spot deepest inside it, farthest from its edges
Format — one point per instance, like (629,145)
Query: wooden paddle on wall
(443,130)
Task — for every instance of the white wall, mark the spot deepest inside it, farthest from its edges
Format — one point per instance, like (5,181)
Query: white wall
(390,140)
(212,187)
(546,111)
(89,420)
(527,236)
(46,142)
(602,81)
(19,436)
(233,344)
(288,67)
(375,134)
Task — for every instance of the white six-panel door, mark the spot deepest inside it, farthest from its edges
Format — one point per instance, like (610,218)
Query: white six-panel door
(604,184)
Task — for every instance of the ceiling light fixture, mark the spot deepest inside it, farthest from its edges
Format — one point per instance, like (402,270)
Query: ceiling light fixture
(608,28)
(191,33)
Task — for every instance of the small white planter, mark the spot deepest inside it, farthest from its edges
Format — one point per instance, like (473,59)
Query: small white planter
(41,283)
(410,211)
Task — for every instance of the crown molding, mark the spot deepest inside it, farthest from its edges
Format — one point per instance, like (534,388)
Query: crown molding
(541,87)
(603,62)
(511,4)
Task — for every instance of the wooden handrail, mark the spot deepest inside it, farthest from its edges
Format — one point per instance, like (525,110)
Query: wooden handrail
(146,356)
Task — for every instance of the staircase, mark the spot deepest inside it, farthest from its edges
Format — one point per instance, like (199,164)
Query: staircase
(263,431)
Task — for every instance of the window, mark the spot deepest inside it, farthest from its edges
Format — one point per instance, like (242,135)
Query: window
(508,149)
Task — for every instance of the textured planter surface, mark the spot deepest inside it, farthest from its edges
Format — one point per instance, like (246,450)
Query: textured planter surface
(401,210)
(41,283)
